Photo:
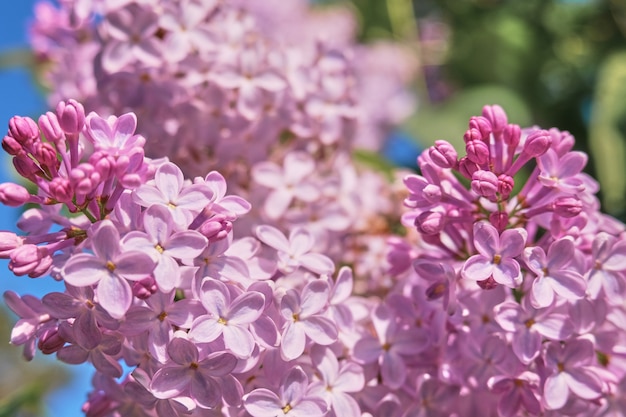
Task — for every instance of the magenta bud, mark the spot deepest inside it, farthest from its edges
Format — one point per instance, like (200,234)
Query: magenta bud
(13,195)
(50,341)
(471,135)
(23,129)
(443,154)
(482,125)
(505,185)
(25,259)
(567,206)
(562,142)
(46,155)
(144,288)
(432,193)
(61,190)
(50,127)
(8,242)
(485,183)
(216,228)
(430,222)
(71,116)
(487,284)
(26,167)
(496,117)
(538,143)
(499,220)
(11,146)
(103,163)
(511,135)
(467,167)
(477,151)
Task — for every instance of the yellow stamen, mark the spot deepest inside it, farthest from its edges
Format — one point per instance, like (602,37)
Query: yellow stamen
(110,266)
(287,408)
(221,320)
(497,259)
(159,248)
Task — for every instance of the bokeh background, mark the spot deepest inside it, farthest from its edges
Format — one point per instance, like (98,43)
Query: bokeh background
(558,63)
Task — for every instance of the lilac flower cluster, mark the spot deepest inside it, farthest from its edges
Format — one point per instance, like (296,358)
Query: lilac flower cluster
(275,285)
(268,94)
(508,306)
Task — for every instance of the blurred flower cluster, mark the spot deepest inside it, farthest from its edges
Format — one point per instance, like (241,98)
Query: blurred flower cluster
(196,191)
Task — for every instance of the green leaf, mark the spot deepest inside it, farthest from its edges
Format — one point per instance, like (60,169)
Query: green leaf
(607,132)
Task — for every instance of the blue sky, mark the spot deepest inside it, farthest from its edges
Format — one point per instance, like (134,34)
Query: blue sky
(20,97)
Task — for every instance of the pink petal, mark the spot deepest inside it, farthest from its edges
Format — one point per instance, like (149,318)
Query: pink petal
(314,298)
(186,245)
(238,340)
(320,330)
(350,378)
(393,370)
(345,406)
(205,390)
(114,295)
(262,403)
(293,341)
(477,268)
(246,308)
(318,263)
(268,174)
(367,350)
(83,269)
(277,202)
(556,391)
(486,239)
(215,297)
(508,273)
(170,381)
(343,285)
(298,166)
(542,293)
(272,237)
(182,351)
(205,329)
(526,345)
(584,383)
(169,180)
(568,284)
(294,387)
(560,254)
(512,242)
(133,265)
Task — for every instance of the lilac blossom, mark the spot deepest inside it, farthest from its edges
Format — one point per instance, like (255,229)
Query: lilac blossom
(108,268)
(292,399)
(496,253)
(227,318)
(304,320)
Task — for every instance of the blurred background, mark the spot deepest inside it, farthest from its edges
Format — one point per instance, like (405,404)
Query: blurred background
(553,63)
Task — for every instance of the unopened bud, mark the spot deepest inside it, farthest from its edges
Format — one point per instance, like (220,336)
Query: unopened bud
(50,127)
(50,341)
(430,222)
(505,185)
(481,124)
(538,143)
(485,183)
(12,146)
(443,154)
(511,135)
(467,167)
(567,206)
(499,220)
(71,116)
(496,116)
(477,151)
(23,129)
(13,195)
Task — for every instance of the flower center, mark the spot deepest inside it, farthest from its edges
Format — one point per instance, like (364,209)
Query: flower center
(222,320)
(287,408)
(497,259)
(110,266)
(159,248)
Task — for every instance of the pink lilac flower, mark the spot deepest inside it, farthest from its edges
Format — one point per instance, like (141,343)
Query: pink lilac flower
(337,382)
(609,261)
(165,245)
(295,251)
(553,274)
(530,326)
(570,373)
(109,268)
(517,392)
(292,398)
(304,320)
(227,318)
(188,372)
(168,189)
(390,347)
(496,253)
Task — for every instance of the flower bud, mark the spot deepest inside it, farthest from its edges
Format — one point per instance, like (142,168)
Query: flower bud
(50,341)
(496,116)
(443,154)
(567,206)
(216,228)
(23,129)
(477,151)
(8,242)
(467,167)
(499,220)
(485,183)
(71,116)
(26,167)
(13,195)
(482,125)
(511,135)
(50,127)
(537,143)
(144,288)
(11,146)
(24,259)
(472,134)
(505,185)
(487,284)
(430,222)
